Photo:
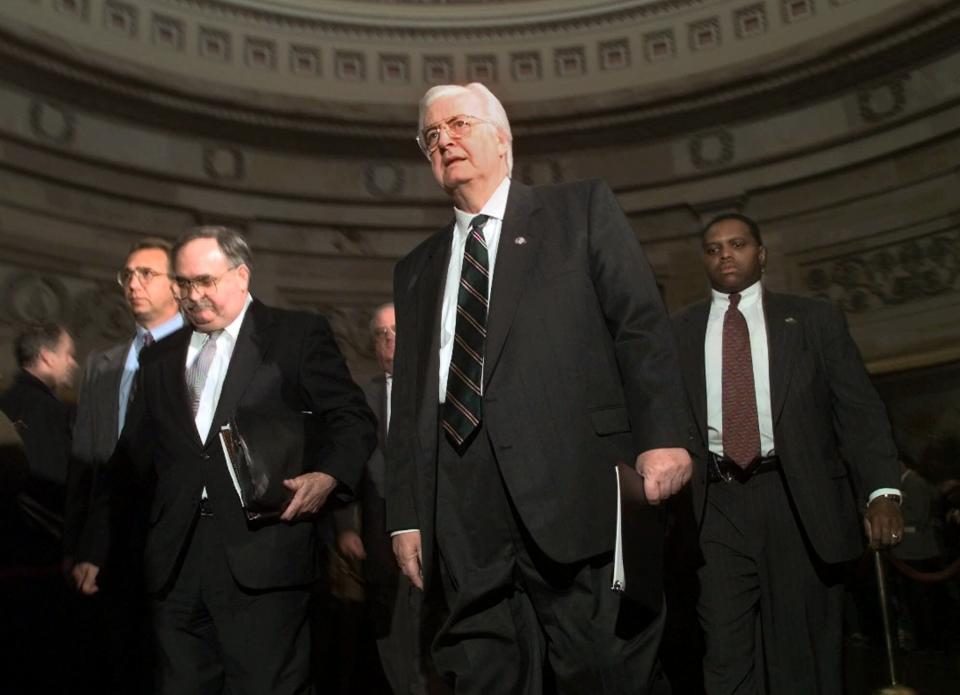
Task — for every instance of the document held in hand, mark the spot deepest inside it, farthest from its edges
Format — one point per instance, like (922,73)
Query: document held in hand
(633,532)
(261,452)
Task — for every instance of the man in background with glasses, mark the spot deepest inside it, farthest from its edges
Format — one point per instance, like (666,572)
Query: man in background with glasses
(533,355)
(392,603)
(116,615)
(228,596)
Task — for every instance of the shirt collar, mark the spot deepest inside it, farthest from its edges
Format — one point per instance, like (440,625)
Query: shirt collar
(747,297)
(495,207)
(173,324)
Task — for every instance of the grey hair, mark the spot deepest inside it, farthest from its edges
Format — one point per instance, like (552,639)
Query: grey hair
(493,109)
(231,243)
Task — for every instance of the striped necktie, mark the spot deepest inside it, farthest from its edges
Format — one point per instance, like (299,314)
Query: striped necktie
(197,372)
(462,407)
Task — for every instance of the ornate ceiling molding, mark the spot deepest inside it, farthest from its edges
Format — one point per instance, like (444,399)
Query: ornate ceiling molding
(698,102)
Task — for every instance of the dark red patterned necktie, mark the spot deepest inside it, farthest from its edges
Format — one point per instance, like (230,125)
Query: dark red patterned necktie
(741,426)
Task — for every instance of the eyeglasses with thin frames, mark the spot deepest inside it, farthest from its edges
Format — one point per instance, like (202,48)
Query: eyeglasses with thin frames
(385,332)
(203,284)
(143,275)
(457,127)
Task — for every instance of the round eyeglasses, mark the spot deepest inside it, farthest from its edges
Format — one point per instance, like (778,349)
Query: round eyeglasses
(457,128)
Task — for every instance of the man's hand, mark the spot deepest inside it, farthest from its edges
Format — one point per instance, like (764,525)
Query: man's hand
(310,491)
(883,523)
(350,545)
(664,472)
(407,549)
(85,577)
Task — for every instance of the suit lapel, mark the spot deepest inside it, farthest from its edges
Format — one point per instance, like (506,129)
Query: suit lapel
(520,237)
(248,352)
(783,339)
(694,336)
(427,286)
(112,369)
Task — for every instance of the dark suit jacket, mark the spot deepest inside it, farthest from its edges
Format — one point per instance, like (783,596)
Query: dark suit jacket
(580,371)
(95,434)
(830,428)
(283,362)
(367,516)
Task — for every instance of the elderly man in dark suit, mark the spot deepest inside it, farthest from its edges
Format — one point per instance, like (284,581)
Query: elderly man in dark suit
(795,441)
(533,355)
(229,596)
(146,280)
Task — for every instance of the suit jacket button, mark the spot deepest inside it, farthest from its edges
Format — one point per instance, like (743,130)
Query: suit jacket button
(206,457)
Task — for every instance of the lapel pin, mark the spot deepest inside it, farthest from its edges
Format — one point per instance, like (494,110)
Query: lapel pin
(520,240)
(790,319)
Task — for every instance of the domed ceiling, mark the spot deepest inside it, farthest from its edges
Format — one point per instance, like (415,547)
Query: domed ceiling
(334,75)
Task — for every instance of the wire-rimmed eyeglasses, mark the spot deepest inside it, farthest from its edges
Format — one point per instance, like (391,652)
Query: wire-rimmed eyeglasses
(457,127)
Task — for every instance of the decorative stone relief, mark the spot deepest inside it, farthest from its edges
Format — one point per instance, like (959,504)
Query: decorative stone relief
(350,66)
(570,62)
(659,46)
(213,44)
(437,69)
(394,68)
(525,66)
(52,122)
(797,10)
(705,34)
(895,273)
(32,298)
(884,101)
(167,32)
(120,18)
(384,180)
(260,54)
(482,68)
(74,8)
(223,163)
(711,149)
(750,21)
(305,60)
(101,311)
(614,55)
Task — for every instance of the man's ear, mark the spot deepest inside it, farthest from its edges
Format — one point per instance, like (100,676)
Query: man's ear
(243,272)
(762,255)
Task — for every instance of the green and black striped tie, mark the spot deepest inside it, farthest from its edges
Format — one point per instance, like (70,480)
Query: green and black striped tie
(462,408)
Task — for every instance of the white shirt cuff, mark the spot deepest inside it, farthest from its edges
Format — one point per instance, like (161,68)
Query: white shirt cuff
(405,530)
(879,492)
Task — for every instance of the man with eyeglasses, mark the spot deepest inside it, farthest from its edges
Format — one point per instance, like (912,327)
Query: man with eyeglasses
(229,596)
(116,659)
(533,355)
(392,602)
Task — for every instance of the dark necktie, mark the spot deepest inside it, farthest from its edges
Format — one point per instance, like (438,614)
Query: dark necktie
(462,407)
(197,372)
(741,426)
(147,342)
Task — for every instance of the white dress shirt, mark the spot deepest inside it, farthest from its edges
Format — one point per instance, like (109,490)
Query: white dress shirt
(210,395)
(494,208)
(389,387)
(751,306)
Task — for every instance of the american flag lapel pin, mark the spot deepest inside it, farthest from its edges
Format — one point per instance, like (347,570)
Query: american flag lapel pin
(520,240)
